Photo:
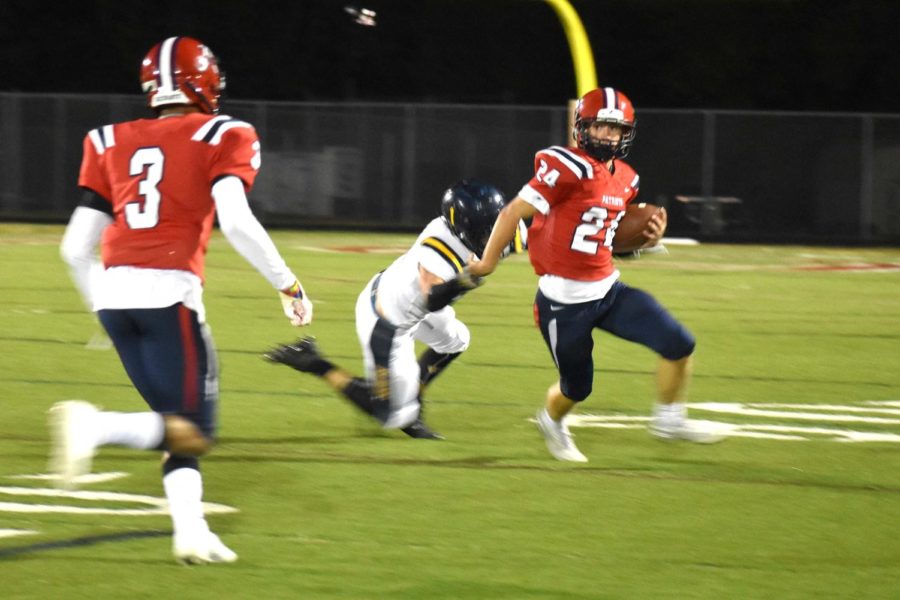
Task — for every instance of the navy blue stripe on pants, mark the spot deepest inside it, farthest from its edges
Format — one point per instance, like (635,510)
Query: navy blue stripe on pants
(170,358)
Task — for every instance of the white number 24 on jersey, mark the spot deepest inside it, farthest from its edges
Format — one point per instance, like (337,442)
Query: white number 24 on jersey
(546,175)
(594,222)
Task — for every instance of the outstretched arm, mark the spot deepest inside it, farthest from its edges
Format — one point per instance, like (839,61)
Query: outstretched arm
(250,239)
(504,230)
(439,293)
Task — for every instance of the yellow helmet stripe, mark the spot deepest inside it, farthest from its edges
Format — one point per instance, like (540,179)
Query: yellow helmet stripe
(517,241)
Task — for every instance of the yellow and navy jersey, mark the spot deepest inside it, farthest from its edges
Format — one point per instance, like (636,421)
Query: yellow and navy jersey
(441,252)
(437,250)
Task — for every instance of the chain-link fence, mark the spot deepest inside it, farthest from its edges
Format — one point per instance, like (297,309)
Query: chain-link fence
(724,175)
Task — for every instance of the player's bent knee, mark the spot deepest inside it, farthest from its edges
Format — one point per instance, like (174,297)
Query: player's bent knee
(456,342)
(460,342)
(679,346)
(575,392)
(185,438)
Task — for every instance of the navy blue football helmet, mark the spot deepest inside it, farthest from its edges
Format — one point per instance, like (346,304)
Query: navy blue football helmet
(470,208)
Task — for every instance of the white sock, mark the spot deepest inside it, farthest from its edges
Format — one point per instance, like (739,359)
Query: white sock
(670,415)
(184,490)
(143,431)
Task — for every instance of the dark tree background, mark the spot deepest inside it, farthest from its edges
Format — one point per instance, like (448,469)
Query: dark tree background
(736,54)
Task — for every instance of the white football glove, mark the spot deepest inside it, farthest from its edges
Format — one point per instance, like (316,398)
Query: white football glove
(296,304)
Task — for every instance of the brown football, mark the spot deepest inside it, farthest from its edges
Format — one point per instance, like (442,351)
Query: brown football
(630,232)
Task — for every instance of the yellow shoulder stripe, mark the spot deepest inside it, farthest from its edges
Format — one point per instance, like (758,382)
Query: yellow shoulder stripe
(445,252)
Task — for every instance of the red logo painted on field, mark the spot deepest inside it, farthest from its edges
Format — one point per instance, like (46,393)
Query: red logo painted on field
(367,249)
(881,267)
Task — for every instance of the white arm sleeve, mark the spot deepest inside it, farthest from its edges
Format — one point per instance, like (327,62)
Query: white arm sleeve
(78,248)
(247,235)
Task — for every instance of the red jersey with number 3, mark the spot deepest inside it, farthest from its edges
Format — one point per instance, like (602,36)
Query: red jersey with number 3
(157,174)
(580,203)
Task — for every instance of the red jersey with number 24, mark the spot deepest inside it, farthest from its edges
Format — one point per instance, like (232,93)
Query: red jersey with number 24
(157,175)
(579,203)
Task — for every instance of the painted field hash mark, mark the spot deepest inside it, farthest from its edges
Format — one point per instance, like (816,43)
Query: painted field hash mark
(869,413)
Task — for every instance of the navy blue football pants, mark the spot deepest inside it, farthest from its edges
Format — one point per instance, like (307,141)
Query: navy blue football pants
(625,312)
(170,358)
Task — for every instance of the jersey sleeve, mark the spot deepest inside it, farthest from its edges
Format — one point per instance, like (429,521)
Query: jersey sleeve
(438,257)
(91,175)
(91,199)
(556,171)
(634,184)
(237,153)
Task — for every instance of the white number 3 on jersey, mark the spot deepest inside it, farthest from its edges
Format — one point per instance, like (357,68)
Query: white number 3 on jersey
(148,162)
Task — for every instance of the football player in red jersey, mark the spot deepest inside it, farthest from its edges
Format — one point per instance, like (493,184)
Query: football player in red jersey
(576,199)
(151,190)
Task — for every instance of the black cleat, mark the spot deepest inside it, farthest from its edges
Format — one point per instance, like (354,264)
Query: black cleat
(421,431)
(302,355)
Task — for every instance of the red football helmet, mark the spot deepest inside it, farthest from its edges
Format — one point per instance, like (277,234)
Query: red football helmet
(182,70)
(606,105)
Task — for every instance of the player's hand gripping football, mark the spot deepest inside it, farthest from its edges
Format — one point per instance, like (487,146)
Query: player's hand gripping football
(656,228)
(296,304)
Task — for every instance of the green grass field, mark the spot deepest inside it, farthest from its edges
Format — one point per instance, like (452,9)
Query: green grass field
(332,507)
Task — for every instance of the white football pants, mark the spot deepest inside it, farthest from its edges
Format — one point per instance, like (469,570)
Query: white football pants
(440,330)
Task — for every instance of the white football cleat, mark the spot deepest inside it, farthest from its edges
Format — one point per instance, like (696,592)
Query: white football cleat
(698,432)
(72,425)
(559,440)
(201,549)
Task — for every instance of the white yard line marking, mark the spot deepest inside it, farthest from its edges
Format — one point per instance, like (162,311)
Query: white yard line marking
(831,407)
(8,533)
(82,479)
(774,431)
(736,408)
(883,403)
(152,505)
